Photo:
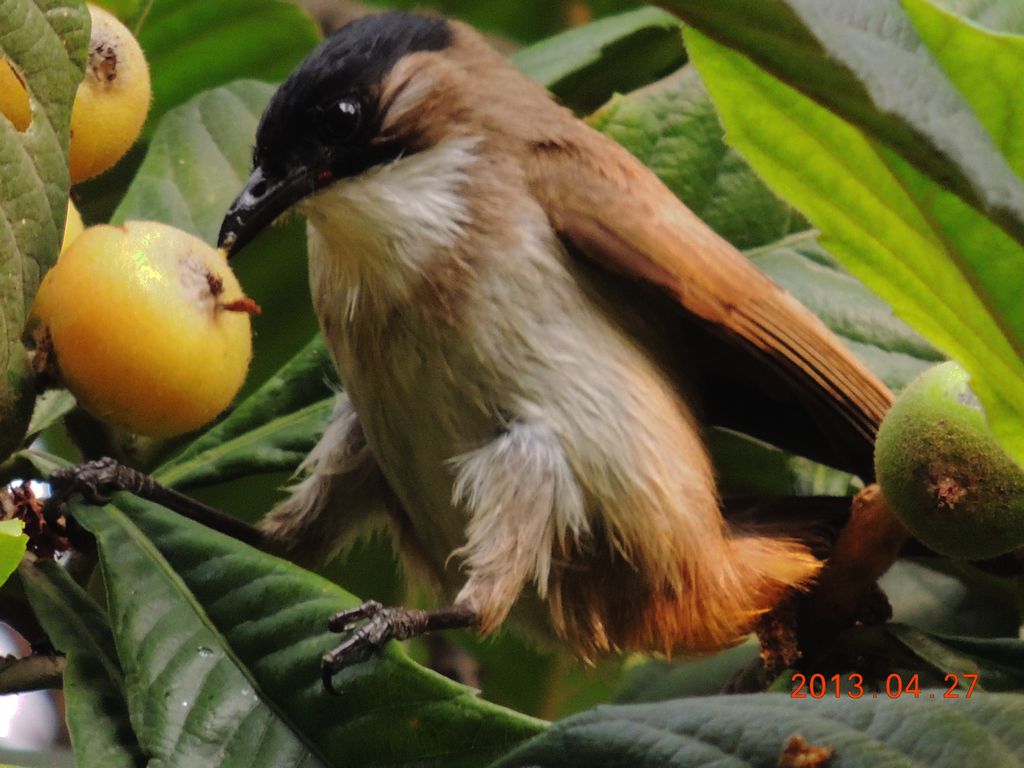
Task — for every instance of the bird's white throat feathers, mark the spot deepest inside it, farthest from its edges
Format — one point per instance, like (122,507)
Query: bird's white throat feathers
(372,237)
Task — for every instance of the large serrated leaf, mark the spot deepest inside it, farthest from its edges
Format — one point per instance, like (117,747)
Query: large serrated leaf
(586,65)
(45,40)
(94,688)
(192,46)
(997,15)
(853,121)
(754,731)
(220,645)
(983,66)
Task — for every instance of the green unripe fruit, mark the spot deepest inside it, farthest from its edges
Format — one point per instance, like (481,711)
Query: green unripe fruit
(943,473)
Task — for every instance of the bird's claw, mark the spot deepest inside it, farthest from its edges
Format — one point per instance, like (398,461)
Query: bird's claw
(343,621)
(381,624)
(95,481)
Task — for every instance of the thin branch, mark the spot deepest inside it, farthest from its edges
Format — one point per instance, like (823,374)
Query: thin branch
(30,673)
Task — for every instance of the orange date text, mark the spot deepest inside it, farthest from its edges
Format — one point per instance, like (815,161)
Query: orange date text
(851,686)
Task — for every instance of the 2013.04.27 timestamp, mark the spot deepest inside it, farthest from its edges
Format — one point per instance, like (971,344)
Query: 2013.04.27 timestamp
(851,686)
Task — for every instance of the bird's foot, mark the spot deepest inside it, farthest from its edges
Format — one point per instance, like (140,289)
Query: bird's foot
(96,481)
(370,625)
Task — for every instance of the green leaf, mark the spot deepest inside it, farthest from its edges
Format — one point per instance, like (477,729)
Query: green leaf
(943,254)
(997,15)
(192,47)
(271,431)
(869,68)
(45,463)
(586,65)
(984,66)
(754,731)
(220,645)
(12,546)
(661,680)
(745,466)
(52,406)
(94,688)
(123,9)
(523,20)
(930,595)
(45,40)
(997,662)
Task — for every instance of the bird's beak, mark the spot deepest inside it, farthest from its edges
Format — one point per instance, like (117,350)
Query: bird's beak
(261,201)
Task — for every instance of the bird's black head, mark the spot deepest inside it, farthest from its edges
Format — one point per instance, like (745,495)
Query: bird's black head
(322,124)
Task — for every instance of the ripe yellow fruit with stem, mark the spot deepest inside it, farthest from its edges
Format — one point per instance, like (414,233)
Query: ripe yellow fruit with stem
(147,326)
(111,102)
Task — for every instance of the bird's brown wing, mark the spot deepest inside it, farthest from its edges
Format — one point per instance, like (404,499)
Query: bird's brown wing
(772,370)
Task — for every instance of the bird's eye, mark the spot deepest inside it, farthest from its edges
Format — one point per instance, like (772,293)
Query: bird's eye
(340,120)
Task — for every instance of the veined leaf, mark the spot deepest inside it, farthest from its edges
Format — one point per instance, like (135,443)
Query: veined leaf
(586,65)
(97,712)
(45,40)
(756,730)
(220,645)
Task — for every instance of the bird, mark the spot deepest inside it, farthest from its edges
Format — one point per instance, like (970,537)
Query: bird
(533,335)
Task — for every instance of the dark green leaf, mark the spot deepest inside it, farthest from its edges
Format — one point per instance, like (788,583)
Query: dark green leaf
(45,463)
(45,40)
(854,122)
(664,680)
(271,431)
(755,730)
(277,445)
(997,662)
(192,47)
(745,466)
(930,595)
(523,20)
(97,713)
(52,406)
(586,65)
(123,9)
(220,645)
